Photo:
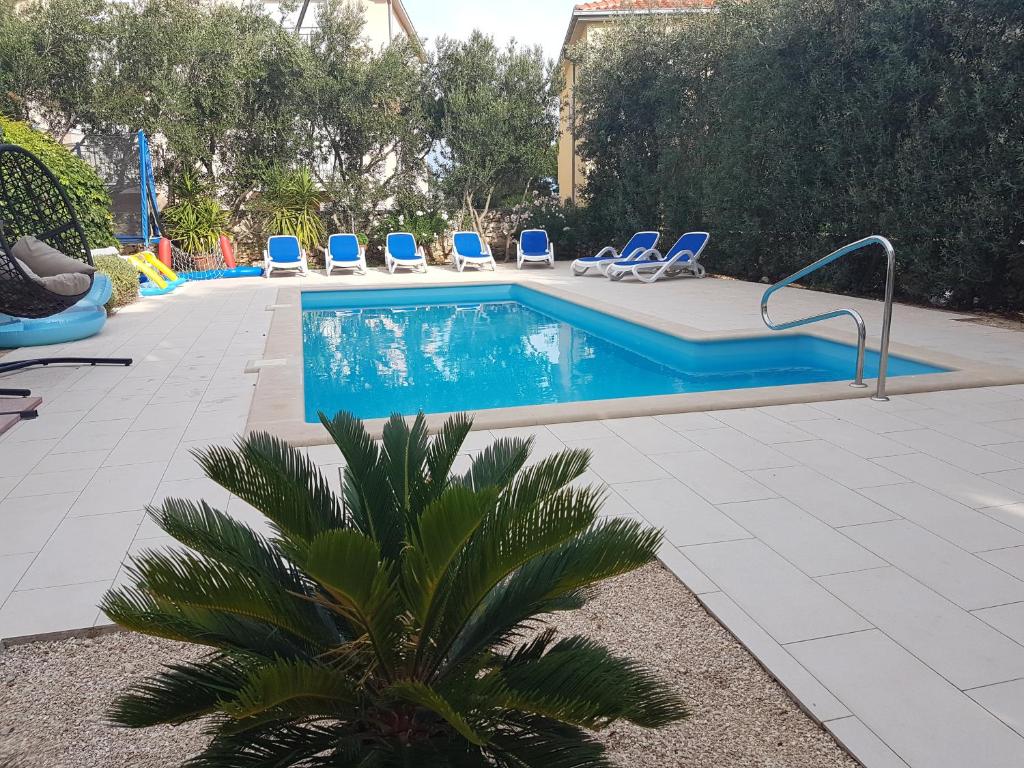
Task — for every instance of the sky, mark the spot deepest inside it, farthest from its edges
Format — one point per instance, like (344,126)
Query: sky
(534,22)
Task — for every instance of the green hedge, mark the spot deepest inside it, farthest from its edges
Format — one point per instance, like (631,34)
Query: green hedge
(87,192)
(790,127)
(124,277)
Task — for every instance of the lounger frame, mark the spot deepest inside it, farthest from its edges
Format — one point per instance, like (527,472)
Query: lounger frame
(461,261)
(358,264)
(269,264)
(392,263)
(535,258)
(651,266)
(608,255)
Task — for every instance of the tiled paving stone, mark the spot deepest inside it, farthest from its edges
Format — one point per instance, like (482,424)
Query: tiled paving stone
(915,486)
(684,516)
(933,629)
(786,603)
(923,718)
(954,573)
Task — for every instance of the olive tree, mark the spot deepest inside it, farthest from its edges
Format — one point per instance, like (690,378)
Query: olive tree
(364,115)
(495,118)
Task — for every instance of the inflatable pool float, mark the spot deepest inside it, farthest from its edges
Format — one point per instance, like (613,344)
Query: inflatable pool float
(216,274)
(150,288)
(81,321)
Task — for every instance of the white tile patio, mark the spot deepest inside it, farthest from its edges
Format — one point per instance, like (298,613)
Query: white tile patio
(869,554)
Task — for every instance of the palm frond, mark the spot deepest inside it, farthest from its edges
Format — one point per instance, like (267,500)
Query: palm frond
(444,450)
(552,582)
(349,567)
(279,481)
(283,687)
(180,693)
(135,609)
(423,695)
(498,463)
(580,682)
(184,579)
(540,742)
(405,458)
(369,497)
(537,483)
(535,518)
(220,537)
(445,527)
(277,746)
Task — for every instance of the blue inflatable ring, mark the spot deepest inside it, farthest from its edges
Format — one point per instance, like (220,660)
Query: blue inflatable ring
(81,321)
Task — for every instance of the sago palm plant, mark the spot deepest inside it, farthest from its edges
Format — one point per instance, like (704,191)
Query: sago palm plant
(400,624)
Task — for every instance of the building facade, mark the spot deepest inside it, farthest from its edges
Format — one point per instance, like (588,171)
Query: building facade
(385,19)
(589,21)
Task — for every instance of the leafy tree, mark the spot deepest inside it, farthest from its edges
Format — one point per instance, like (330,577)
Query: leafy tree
(19,71)
(397,624)
(365,115)
(220,85)
(790,127)
(494,113)
(61,38)
(637,114)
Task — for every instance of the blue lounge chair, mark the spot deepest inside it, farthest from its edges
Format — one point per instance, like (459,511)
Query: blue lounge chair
(682,258)
(535,246)
(637,245)
(344,252)
(469,248)
(284,252)
(402,251)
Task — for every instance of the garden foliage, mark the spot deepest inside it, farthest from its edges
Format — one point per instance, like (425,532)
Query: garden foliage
(494,110)
(87,192)
(123,276)
(790,127)
(398,623)
(196,220)
(228,92)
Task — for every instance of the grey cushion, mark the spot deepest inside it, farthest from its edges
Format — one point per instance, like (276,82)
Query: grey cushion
(46,261)
(67,284)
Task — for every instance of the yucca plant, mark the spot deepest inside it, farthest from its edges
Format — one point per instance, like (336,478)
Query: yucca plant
(196,220)
(400,624)
(290,205)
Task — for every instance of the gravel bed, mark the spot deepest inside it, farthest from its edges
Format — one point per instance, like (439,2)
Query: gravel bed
(53,695)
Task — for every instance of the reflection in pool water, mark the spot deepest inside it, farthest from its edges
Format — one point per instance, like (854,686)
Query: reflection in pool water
(450,357)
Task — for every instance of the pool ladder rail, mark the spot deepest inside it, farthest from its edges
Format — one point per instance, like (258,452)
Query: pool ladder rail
(883,352)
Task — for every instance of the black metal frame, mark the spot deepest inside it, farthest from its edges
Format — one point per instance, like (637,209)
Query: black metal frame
(32,202)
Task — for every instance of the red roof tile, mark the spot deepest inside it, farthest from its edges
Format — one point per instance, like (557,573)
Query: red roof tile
(644,5)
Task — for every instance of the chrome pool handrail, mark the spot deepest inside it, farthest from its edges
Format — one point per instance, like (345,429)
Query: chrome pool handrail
(883,359)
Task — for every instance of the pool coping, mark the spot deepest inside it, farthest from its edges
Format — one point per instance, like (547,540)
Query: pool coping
(278,410)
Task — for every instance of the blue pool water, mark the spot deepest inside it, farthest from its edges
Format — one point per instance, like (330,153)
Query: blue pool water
(375,352)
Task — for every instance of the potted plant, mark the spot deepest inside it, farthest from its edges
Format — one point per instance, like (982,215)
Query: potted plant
(196,221)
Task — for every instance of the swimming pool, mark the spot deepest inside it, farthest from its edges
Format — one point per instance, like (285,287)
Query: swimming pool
(375,352)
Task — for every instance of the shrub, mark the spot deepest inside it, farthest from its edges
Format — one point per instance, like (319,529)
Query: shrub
(124,278)
(421,215)
(87,192)
(290,205)
(397,624)
(196,221)
(567,225)
(787,128)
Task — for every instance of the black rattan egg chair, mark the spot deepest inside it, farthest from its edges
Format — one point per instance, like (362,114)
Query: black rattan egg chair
(32,202)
